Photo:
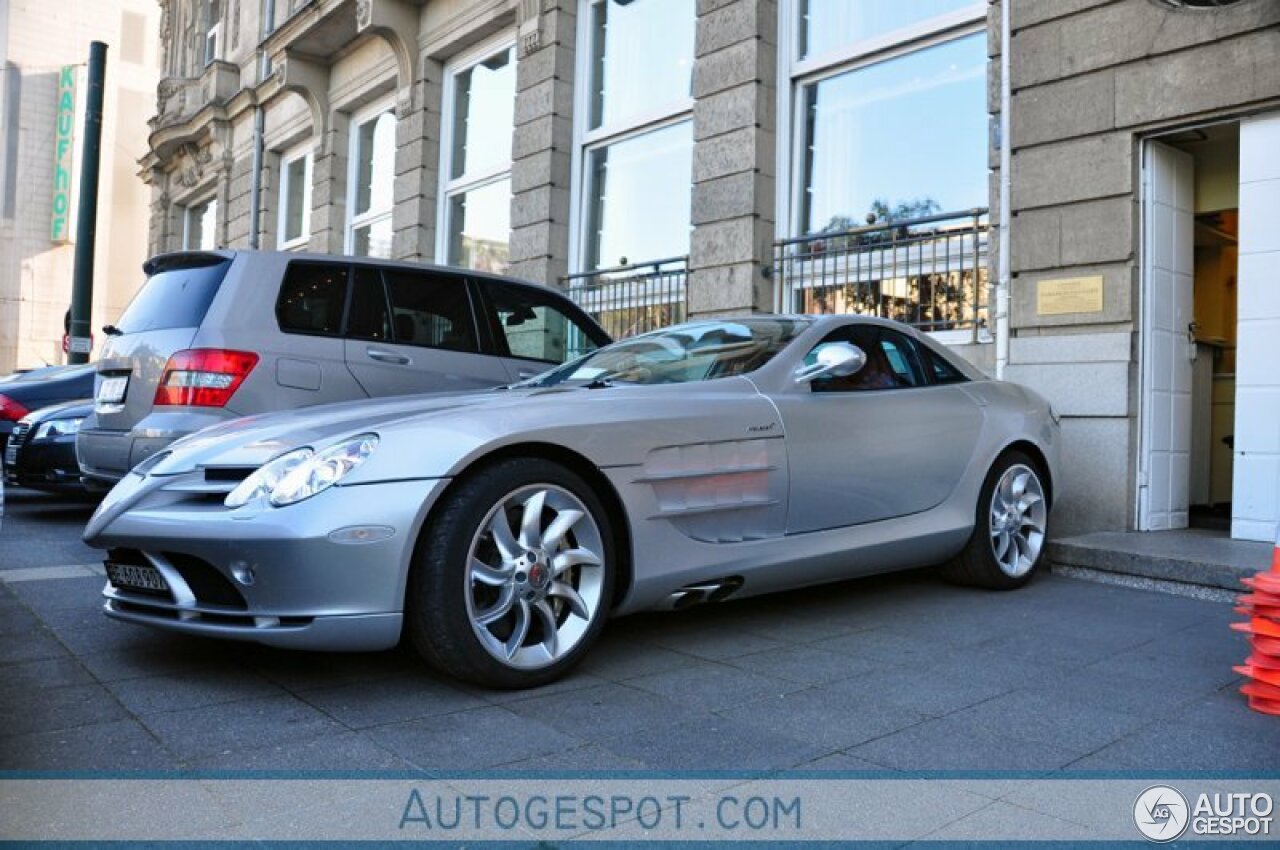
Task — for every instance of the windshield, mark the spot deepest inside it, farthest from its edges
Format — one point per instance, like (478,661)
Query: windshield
(698,351)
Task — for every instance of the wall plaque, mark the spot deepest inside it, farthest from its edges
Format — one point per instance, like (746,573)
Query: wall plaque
(1069,295)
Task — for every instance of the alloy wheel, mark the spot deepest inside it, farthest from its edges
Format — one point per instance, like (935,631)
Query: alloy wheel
(1017,520)
(535,576)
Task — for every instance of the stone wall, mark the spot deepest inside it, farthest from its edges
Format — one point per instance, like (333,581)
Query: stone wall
(1090,78)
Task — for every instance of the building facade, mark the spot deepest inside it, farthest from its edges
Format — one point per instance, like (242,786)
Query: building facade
(671,158)
(43,50)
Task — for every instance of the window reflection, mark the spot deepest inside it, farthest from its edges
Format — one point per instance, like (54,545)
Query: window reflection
(641,194)
(642,55)
(480,223)
(830,24)
(904,137)
(375,163)
(484,112)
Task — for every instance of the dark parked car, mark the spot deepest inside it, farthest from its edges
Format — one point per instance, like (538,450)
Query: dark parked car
(41,453)
(41,388)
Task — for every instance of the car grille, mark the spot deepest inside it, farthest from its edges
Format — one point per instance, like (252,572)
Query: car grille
(207,584)
(16,439)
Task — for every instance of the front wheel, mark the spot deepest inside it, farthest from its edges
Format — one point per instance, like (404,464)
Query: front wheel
(1010,529)
(513,579)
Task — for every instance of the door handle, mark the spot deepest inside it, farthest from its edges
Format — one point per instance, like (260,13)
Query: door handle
(384,356)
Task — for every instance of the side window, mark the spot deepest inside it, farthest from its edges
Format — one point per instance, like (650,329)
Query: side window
(431,310)
(939,369)
(312,298)
(900,354)
(533,327)
(891,361)
(370,316)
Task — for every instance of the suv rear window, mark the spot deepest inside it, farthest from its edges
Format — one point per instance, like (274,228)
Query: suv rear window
(174,297)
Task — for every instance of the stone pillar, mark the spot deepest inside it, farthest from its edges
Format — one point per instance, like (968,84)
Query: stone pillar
(417,168)
(329,186)
(542,146)
(734,130)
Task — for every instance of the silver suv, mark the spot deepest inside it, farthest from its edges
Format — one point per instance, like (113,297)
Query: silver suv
(215,335)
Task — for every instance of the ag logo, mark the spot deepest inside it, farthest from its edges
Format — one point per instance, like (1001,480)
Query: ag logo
(1161,813)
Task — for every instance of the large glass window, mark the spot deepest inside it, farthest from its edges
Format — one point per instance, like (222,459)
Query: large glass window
(827,25)
(642,58)
(295,199)
(637,143)
(640,197)
(896,139)
(199,226)
(373,154)
(476,194)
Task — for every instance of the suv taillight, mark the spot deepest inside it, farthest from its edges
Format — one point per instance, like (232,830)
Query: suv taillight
(10,410)
(204,377)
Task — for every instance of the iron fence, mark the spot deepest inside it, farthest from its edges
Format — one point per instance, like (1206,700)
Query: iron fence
(629,300)
(930,272)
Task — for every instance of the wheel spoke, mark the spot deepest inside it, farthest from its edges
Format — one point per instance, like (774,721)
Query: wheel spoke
(485,574)
(520,631)
(503,539)
(531,522)
(550,630)
(559,527)
(1019,486)
(572,558)
(571,597)
(1003,547)
(499,609)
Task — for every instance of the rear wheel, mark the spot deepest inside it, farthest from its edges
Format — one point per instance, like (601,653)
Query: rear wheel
(1010,530)
(512,582)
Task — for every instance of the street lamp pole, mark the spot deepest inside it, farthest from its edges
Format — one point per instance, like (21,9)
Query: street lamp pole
(80,342)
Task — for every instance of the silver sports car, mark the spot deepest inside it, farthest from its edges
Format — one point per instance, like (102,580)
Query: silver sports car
(498,530)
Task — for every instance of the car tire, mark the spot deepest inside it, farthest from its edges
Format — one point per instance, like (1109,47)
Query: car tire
(1010,529)
(513,577)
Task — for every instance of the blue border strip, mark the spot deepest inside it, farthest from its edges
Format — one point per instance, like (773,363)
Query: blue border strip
(511,775)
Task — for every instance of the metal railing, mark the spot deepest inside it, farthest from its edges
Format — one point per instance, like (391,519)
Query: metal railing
(629,300)
(930,272)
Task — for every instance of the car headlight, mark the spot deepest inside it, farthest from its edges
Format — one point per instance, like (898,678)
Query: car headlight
(265,478)
(302,473)
(57,428)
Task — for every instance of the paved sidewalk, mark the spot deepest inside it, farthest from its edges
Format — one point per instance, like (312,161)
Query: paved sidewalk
(899,673)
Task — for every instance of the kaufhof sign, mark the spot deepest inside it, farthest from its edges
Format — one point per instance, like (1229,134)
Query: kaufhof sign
(64,149)
(1162,813)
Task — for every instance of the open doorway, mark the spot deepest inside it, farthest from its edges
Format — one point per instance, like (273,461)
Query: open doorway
(1190,271)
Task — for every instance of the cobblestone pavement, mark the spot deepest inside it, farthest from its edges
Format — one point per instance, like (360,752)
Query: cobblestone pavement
(901,673)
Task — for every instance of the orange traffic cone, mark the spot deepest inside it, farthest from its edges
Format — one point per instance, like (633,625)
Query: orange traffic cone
(1262,607)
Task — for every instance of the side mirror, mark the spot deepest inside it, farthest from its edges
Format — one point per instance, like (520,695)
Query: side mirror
(837,359)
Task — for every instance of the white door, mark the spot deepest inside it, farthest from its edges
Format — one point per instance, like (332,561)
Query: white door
(1255,501)
(1168,260)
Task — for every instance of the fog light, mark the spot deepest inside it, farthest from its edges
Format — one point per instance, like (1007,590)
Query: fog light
(242,572)
(362,534)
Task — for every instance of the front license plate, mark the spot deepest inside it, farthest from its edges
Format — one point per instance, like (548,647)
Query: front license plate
(113,389)
(135,577)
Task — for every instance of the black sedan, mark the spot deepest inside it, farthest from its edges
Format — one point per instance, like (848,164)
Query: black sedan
(41,452)
(22,394)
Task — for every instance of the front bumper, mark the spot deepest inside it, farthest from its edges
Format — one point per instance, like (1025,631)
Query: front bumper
(45,465)
(277,576)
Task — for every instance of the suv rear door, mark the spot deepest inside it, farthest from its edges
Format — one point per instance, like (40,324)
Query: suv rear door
(535,328)
(414,331)
(161,319)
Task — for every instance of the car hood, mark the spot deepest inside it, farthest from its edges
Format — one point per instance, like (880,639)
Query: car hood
(66,410)
(253,440)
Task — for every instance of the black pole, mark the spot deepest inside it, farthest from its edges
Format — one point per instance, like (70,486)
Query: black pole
(87,218)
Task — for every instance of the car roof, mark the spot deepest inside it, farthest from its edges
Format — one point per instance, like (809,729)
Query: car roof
(310,256)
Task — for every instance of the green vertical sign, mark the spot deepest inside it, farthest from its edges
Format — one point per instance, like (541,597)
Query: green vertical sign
(64,138)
